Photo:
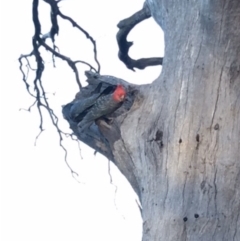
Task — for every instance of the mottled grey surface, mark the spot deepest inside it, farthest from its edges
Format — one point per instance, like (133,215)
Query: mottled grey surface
(179,144)
(184,140)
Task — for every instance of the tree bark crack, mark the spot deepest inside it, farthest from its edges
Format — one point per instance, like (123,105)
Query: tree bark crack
(218,93)
(166,171)
(129,155)
(215,190)
(183,191)
(237,227)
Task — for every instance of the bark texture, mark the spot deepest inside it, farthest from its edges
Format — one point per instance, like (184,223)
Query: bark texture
(179,146)
(184,140)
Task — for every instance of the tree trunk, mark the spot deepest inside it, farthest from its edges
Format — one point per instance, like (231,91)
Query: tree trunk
(182,144)
(177,140)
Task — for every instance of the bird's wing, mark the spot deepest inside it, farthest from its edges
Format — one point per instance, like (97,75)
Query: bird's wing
(79,107)
(103,106)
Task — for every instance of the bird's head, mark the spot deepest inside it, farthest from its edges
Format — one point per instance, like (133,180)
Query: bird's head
(119,94)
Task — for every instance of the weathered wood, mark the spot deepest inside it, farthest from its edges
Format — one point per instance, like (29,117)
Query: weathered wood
(102,134)
(179,143)
(184,139)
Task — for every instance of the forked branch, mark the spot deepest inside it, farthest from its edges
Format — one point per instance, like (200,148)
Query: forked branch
(36,89)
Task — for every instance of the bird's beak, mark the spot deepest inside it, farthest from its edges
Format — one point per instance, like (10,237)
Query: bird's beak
(122,97)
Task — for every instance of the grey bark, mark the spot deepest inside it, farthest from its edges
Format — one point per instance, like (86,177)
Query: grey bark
(184,139)
(179,144)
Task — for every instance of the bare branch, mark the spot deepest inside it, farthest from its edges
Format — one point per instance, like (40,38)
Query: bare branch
(89,65)
(23,73)
(71,63)
(29,108)
(39,40)
(55,11)
(86,34)
(41,100)
(125,26)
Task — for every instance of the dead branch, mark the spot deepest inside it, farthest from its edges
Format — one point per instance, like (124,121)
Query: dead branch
(104,132)
(38,41)
(125,26)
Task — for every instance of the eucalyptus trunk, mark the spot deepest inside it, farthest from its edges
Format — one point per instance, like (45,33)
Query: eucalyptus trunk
(183,140)
(177,140)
